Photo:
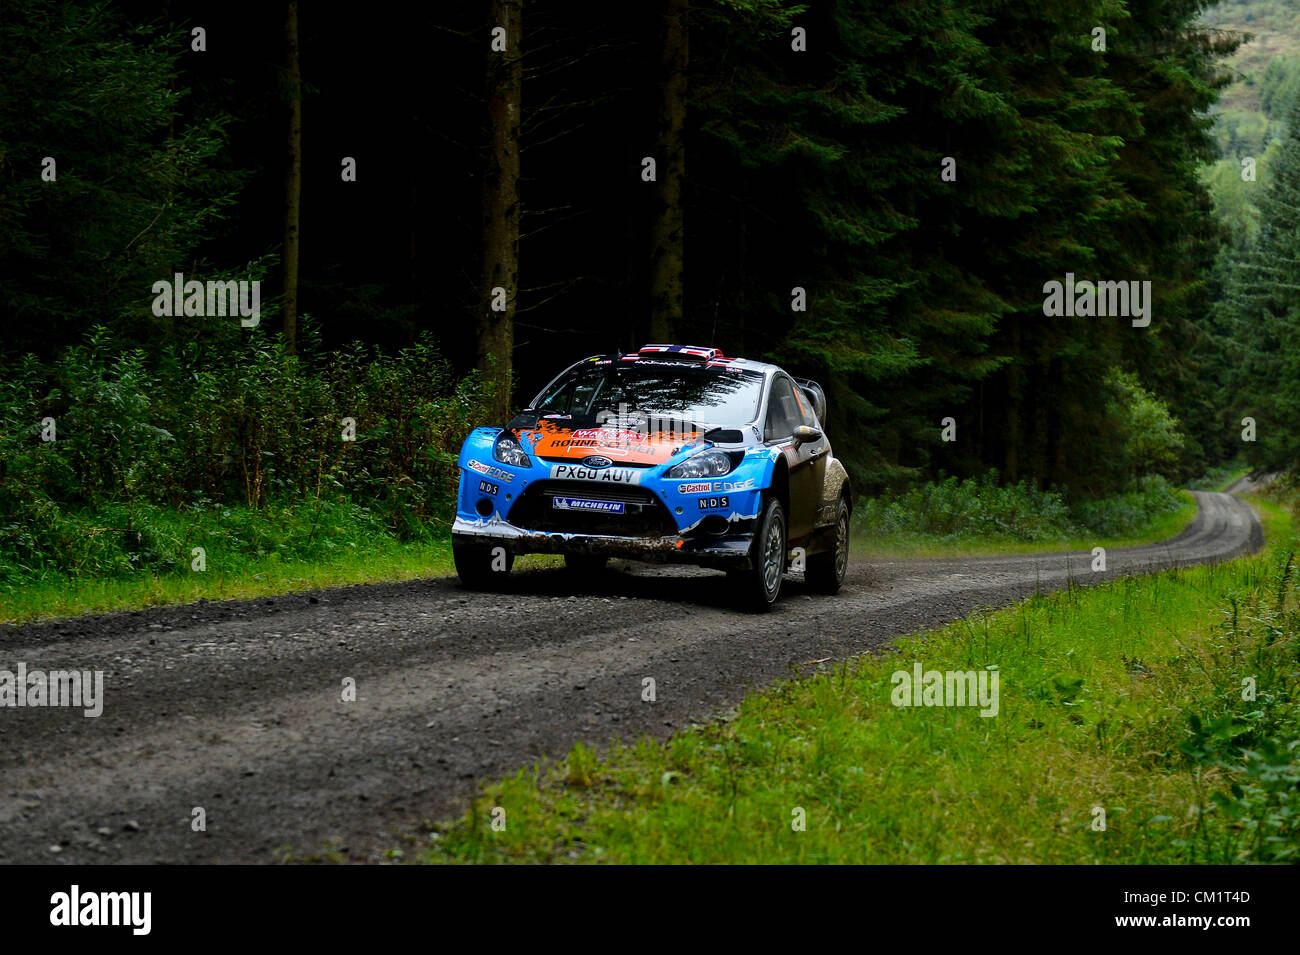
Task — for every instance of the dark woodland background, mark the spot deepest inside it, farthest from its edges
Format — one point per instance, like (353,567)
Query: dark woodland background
(776,169)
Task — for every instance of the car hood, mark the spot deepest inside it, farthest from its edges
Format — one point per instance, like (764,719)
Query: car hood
(553,441)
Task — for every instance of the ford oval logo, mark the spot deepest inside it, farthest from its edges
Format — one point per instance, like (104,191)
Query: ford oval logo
(597,461)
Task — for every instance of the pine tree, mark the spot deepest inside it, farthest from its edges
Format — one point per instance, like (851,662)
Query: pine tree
(103,192)
(1261,308)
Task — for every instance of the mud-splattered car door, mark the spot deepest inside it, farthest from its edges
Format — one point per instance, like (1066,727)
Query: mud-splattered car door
(806,463)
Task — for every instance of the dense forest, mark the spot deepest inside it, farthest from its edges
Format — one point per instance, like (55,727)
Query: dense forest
(444,207)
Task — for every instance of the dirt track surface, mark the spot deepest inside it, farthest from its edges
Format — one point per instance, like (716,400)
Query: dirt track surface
(235,706)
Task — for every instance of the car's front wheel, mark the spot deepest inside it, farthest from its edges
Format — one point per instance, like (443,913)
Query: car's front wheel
(760,585)
(825,573)
(479,567)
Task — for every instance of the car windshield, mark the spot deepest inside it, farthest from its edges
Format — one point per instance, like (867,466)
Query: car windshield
(703,396)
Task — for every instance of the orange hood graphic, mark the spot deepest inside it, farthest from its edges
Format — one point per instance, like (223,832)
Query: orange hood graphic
(552,441)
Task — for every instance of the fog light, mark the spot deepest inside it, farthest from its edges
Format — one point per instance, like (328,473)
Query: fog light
(484,507)
(715,525)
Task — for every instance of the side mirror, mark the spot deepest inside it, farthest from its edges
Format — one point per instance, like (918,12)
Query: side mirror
(805,434)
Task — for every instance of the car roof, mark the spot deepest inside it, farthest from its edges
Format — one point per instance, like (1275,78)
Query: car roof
(669,359)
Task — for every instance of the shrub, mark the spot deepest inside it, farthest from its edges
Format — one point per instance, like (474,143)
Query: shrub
(982,508)
(229,422)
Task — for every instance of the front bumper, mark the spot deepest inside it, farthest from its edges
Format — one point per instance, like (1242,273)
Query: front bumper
(554,506)
(726,551)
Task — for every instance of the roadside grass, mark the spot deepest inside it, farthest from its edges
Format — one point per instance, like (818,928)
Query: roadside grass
(130,557)
(978,516)
(1126,699)
(265,577)
(1220,478)
(904,545)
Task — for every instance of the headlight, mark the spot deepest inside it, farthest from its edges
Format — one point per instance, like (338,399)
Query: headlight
(508,451)
(705,464)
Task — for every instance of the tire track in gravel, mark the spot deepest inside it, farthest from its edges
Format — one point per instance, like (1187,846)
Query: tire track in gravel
(234,706)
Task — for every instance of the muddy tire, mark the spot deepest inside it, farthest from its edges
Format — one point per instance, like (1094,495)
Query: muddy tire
(758,588)
(825,572)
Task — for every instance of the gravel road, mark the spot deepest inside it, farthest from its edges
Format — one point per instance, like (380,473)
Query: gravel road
(235,708)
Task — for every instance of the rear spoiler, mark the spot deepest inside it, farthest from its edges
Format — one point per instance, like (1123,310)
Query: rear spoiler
(814,393)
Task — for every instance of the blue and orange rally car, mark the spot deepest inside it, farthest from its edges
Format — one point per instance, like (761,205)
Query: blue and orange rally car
(674,453)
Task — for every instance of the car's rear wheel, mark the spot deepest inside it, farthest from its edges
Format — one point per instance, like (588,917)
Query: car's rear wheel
(759,587)
(585,565)
(825,572)
(480,567)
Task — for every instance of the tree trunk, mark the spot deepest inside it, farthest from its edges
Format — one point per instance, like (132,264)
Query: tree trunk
(1056,426)
(413,260)
(292,177)
(1012,430)
(666,256)
(496,332)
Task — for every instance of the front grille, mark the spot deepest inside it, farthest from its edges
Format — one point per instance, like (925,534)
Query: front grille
(643,515)
(595,453)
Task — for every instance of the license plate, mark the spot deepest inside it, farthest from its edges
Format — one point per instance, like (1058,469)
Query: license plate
(586,504)
(576,472)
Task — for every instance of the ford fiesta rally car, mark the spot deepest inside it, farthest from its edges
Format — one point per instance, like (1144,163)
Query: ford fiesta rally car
(674,453)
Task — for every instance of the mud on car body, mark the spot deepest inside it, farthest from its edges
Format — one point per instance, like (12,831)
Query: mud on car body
(675,453)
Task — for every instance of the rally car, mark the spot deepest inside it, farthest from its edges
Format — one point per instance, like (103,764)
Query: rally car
(673,453)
